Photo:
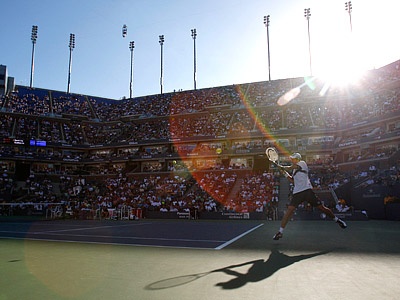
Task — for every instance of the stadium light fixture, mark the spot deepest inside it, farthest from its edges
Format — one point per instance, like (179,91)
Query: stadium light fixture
(34,36)
(194,35)
(307,15)
(124,30)
(161,41)
(266,23)
(71,48)
(131,47)
(349,7)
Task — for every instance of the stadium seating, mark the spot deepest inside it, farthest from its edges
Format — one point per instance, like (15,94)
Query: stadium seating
(162,151)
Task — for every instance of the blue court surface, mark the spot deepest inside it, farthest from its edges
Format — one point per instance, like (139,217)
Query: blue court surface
(176,234)
(182,259)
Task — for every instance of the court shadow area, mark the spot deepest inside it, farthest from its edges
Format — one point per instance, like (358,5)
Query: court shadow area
(261,269)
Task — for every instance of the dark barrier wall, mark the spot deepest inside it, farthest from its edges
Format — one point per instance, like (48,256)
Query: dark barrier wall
(370,198)
(392,211)
(233,216)
(206,215)
(300,215)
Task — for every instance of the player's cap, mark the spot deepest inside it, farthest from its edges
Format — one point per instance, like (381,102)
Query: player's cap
(295,155)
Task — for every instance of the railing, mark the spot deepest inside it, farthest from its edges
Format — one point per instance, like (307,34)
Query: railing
(334,195)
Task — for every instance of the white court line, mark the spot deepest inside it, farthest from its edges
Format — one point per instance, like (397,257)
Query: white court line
(87,228)
(236,238)
(128,237)
(226,243)
(112,244)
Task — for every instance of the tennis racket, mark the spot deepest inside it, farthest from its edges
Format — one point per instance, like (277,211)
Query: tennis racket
(273,156)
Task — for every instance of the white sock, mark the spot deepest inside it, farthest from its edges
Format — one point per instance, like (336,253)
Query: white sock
(335,219)
(281,230)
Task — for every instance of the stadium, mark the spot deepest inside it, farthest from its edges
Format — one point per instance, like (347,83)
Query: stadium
(201,151)
(197,156)
(175,195)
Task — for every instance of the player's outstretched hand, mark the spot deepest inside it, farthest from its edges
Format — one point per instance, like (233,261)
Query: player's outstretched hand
(282,168)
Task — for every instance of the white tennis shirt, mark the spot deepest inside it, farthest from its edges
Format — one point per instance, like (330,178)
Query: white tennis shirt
(301,180)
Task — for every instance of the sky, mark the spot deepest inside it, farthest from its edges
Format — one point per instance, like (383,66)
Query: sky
(231,42)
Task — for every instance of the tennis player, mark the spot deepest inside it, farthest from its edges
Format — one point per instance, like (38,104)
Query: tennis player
(297,174)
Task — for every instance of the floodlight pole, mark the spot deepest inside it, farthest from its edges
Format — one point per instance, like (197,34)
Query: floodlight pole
(307,15)
(161,41)
(349,8)
(34,36)
(266,23)
(131,47)
(71,48)
(194,35)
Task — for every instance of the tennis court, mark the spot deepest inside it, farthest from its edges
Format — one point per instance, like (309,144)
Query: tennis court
(182,259)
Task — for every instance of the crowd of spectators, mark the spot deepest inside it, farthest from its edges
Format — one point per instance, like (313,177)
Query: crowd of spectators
(211,124)
(204,192)
(201,191)
(259,193)
(205,112)
(235,110)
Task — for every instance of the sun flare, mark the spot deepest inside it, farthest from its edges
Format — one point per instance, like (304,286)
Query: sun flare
(342,65)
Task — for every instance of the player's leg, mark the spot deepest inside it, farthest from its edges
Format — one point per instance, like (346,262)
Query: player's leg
(313,199)
(288,215)
(326,211)
(330,214)
(286,218)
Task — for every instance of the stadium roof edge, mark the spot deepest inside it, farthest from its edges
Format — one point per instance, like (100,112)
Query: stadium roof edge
(390,65)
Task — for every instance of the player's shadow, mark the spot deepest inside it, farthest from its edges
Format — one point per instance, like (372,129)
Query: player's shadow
(261,269)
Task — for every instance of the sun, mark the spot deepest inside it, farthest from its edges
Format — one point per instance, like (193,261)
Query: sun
(341,73)
(342,65)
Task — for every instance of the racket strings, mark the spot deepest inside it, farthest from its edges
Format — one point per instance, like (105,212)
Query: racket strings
(272,154)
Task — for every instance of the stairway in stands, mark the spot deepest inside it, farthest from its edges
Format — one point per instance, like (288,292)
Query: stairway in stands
(236,188)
